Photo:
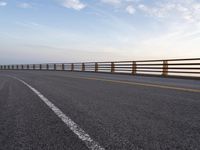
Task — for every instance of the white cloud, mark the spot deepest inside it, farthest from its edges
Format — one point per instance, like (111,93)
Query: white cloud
(130,9)
(125,5)
(187,10)
(3,3)
(25,5)
(112,2)
(74,4)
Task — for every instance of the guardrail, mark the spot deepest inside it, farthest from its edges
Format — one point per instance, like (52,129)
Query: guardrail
(170,67)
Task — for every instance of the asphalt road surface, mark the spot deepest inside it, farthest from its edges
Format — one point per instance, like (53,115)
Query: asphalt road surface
(49,110)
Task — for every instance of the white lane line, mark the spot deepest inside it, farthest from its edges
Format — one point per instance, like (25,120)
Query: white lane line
(90,143)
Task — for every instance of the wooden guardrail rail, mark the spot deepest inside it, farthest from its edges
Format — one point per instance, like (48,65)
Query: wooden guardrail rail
(170,67)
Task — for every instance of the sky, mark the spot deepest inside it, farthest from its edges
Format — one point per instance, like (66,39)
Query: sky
(44,31)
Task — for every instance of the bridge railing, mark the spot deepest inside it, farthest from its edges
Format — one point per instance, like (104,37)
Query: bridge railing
(170,67)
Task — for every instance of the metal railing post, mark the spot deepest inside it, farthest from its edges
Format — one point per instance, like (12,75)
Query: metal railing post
(83,66)
(134,68)
(112,67)
(40,67)
(22,67)
(54,66)
(165,68)
(47,66)
(27,67)
(63,67)
(72,67)
(96,67)
(33,66)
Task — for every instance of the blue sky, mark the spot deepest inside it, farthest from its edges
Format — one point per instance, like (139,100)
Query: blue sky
(37,31)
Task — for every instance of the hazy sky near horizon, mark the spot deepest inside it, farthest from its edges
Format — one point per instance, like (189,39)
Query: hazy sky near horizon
(38,31)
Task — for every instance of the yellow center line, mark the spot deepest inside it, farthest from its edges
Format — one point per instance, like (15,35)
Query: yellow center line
(139,84)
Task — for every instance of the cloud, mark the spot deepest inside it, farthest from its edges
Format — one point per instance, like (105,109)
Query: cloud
(187,10)
(125,5)
(25,5)
(2,3)
(130,9)
(74,4)
(174,10)
(112,2)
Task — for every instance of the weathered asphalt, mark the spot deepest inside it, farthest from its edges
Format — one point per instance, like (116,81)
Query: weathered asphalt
(118,116)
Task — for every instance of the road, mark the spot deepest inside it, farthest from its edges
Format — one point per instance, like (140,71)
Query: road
(117,112)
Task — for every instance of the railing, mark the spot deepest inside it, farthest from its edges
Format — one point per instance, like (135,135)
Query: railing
(170,67)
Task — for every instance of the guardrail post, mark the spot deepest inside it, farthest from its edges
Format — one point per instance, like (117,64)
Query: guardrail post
(165,68)
(63,67)
(54,66)
(27,67)
(83,66)
(112,67)
(96,67)
(33,66)
(134,68)
(12,67)
(40,67)
(8,67)
(47,66)
(22,67)
(72,67)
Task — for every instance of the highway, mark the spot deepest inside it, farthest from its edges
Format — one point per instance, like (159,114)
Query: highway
(60,110)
